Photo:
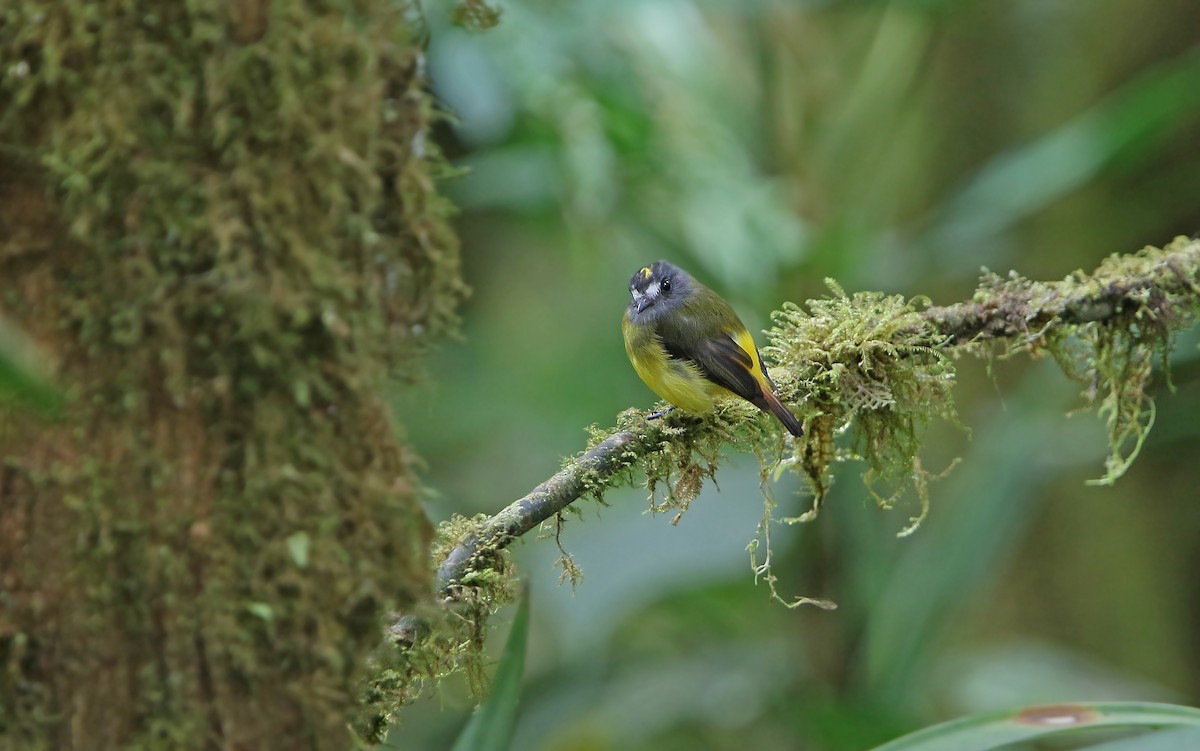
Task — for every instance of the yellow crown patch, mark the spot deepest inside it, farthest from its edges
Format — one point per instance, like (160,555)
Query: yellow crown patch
(645,272)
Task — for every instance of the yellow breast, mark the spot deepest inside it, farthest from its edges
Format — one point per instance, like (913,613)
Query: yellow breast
(677,381)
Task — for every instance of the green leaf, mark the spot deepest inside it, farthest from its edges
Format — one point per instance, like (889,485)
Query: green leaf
(491,727)
(996,729)
(1162,740)
(297,545)
(22,374)
(261,610)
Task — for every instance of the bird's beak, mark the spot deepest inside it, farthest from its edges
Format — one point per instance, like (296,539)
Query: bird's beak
(640,300)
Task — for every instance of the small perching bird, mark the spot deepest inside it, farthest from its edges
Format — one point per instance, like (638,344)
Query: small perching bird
(690,348)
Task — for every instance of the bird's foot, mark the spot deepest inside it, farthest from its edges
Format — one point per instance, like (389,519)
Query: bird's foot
(660,413)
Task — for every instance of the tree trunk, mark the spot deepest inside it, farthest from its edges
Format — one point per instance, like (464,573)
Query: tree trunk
(218,220)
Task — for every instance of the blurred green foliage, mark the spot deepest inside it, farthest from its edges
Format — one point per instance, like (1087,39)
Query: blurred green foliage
(767,145)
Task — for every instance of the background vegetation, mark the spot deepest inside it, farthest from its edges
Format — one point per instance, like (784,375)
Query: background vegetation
(223,234)
(766,145)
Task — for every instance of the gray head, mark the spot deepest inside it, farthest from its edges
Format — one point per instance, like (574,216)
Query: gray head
(657,288)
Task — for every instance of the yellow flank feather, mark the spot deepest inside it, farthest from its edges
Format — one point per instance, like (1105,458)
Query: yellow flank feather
(677,381)
(746,342)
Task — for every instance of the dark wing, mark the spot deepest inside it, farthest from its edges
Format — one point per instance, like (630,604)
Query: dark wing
(723,362)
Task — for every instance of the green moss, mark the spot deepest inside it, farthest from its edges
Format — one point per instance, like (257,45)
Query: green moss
(1106,330)
(476,15)
(438,640)
(870,366)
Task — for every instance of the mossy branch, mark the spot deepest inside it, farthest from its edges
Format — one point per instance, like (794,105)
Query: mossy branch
(1151,281)
(1129,301)
(866,373)
(588,472)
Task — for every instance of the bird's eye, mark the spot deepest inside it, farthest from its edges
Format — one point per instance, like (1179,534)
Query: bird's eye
(665,284)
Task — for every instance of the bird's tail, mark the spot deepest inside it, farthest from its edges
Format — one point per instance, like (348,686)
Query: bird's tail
(772,404)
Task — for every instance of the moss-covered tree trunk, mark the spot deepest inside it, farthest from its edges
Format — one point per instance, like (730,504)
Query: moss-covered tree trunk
(219,220)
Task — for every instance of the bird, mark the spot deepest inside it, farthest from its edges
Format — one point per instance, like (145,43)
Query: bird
(689,346)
